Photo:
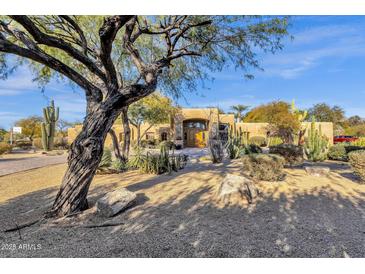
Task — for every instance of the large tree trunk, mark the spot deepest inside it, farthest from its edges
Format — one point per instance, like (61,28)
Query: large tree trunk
(83,160)
(116,150)
(127,133)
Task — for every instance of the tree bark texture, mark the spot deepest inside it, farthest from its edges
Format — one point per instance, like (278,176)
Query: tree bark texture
(83,160)
(115,143)
(127,133)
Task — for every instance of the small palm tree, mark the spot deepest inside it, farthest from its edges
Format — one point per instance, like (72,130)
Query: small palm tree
(239,112)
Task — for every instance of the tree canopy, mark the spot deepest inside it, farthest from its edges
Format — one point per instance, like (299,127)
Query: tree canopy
(283,121)
(31,126)
(118,60)
(153,109)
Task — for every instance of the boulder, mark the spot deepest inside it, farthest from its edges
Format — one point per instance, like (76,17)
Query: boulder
(317,171)
(235,184)
(114,202)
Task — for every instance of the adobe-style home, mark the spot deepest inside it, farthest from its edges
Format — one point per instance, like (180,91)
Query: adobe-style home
(191,127)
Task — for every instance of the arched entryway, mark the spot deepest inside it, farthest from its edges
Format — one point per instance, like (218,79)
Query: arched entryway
(195,132)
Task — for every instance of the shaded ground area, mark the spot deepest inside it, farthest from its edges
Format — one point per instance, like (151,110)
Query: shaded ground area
(178,215)
(17,162)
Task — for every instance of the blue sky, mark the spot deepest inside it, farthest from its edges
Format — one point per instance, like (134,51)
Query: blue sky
(324,63)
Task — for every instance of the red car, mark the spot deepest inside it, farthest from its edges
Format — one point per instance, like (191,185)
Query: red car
(344,139)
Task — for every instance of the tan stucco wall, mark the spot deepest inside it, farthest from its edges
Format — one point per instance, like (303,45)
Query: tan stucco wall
(209,114)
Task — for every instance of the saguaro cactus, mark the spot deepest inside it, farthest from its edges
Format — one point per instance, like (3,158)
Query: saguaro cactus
(50,114)
(316,145)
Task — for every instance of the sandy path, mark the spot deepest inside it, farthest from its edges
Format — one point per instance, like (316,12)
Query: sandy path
(179,216)
(11,165)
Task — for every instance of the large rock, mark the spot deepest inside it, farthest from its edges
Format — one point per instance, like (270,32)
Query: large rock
(235,184)
(114,202)
(317,171)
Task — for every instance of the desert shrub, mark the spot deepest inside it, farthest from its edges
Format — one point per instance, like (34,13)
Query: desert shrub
(252,148)
(158,163)
(352,148)
(168,144)
(357,162)
(37,142)
(143,143)
(292,154)
(5,148)
(258,140)
(267,167)
(359,142)
(119,165)
(338,153)
(23,144)
(106,159)
(60,143)
(274,141)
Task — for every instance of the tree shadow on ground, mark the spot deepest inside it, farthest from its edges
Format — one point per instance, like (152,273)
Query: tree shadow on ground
(190,222)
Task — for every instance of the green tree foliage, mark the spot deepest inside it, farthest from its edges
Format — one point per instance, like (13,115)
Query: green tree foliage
(325,113)
(118,60)
(31,126)
(282,121)
(3,132)
(239,111)
(153,109)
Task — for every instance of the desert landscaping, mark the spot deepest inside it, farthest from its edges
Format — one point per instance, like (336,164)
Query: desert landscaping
(180,215)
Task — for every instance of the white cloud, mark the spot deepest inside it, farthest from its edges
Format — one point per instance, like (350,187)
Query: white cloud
(295,60)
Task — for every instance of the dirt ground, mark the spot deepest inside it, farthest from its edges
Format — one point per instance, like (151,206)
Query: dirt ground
(179,215)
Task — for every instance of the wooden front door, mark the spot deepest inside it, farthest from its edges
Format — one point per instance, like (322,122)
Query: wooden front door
(195,137)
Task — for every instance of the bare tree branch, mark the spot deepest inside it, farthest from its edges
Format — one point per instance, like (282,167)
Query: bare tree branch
(107,34)
(52,41)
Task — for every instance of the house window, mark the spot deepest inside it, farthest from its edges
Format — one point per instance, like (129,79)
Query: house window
(164,136)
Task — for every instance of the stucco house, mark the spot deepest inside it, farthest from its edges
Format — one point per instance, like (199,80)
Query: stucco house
(191,127)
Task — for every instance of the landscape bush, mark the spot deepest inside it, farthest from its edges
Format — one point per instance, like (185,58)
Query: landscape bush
(337,152)
(292,154)
(357,162)
(168,144)
(119,165)
(23,144)
(258,140)
(37,142)
(60,143)
(274,141)
(157,163)
(267,167)
(106,159)
(252,148)
(359,142)
(5,148)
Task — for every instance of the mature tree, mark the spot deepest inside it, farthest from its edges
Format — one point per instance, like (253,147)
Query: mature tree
(118,60)
(325,113)
(282,120)
(354,121)
(239,111)
(152,110)
(31,126)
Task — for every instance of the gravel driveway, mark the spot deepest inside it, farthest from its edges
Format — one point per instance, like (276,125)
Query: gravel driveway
(12,165)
